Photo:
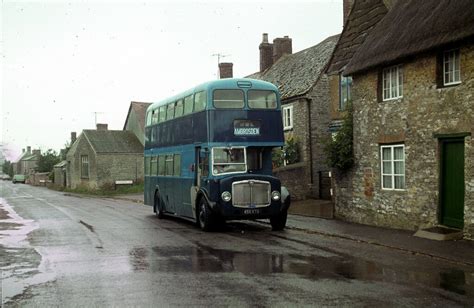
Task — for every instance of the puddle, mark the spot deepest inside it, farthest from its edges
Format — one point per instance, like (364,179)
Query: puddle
(20,268)
(205,259)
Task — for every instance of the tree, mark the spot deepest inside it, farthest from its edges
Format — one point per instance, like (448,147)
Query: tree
(7,168)
(47,161)
(339,150)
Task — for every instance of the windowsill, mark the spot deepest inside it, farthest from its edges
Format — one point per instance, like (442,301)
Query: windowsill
(287,129)
(393,190)
(449,85)
(395,99)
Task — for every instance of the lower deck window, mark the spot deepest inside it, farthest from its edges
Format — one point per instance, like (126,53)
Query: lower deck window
(228,160)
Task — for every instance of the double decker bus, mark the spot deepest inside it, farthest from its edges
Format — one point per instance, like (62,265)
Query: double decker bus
(208,154)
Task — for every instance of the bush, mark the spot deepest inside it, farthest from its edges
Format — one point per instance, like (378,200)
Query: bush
(339,149)
(289,153)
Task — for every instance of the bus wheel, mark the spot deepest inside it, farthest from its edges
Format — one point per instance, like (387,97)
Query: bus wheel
(278,222)
(157,206)
(204,215)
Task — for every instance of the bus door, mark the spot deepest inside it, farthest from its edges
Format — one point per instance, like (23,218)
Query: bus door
(201,167)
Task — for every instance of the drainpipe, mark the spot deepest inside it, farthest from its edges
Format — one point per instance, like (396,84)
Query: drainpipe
(308,101)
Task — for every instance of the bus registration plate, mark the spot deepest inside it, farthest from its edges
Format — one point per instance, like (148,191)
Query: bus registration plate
(252,211)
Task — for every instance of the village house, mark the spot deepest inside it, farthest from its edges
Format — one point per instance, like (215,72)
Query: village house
(100,157)
(135,120)
(304,93)
(413,113)
(28,161)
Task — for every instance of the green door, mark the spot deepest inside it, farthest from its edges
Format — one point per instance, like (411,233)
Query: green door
(452,183)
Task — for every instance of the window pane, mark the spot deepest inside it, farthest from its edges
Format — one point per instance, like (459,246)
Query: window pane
(147,165)
(188,104)
(170,111)
(177,165)
(387,168)
(161,165)
(200,100)
(387,181)
(154,165)
(262,99)
(228,99)
(386,153)
(169,165)
(162,114)
(154,118)
(399,182)
(148,118)
(398,153)
(399,167)
(178,109)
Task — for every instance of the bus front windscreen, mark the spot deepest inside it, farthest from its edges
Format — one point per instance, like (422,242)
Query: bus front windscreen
(228,160)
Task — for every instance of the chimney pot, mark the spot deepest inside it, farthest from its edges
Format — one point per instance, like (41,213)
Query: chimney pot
(22,150)
(101,126)
(225,70)
(265,38)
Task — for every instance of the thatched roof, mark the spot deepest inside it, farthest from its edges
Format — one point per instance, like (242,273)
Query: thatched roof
(412,27)
(296,74)
(364,16)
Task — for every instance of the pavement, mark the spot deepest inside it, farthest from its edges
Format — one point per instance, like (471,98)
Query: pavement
(301,219)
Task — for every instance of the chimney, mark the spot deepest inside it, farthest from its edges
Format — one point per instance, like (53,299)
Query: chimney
(28,149)
(281,46)
(266,53)
(22,150)
(73,137)
(37,152)
(347,5)
(101,126)
(225,70)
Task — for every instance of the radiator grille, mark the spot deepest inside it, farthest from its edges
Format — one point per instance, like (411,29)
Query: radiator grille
(251,193)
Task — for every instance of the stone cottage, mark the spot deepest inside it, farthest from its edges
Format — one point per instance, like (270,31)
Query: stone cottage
(27,162)
(100,157)
(304,93)
(413,101)
(135,120)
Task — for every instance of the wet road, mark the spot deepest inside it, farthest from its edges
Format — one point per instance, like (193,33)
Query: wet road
(59,250)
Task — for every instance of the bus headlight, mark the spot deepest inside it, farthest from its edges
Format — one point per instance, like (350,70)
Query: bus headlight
(226,196)
(275,195)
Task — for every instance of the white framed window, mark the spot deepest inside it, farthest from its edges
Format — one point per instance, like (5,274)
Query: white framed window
(287,117)
(345,85)
(392,83)
(451,67)
(393,166)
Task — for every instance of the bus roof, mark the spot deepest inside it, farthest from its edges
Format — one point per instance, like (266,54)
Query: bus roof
(228,83)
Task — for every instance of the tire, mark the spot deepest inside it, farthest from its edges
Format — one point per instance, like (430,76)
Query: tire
(278,222)
(204,216)
(157,207)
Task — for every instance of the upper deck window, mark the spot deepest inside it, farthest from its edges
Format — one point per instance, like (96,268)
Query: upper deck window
(200,100)
(188,104)
(228,160)
(170,112)
(154,118)
(178,111)
(262,99)
(233,99)
(162,116)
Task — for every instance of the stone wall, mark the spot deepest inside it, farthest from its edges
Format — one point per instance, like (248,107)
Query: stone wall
(81,147)
(113,167)
(320,119)
(424,111)
(295,178)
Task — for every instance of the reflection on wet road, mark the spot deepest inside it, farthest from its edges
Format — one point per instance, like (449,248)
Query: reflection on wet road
(64,251)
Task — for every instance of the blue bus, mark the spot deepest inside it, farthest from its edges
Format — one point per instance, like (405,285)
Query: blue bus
(208,154)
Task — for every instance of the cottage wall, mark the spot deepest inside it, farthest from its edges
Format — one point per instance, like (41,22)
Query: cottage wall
(424,110)
(320,119)
(297,177)
(74,165)
(133,125)
(113,167)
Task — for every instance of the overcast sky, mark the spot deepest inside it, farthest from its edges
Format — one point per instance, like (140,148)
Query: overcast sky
(64,64)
